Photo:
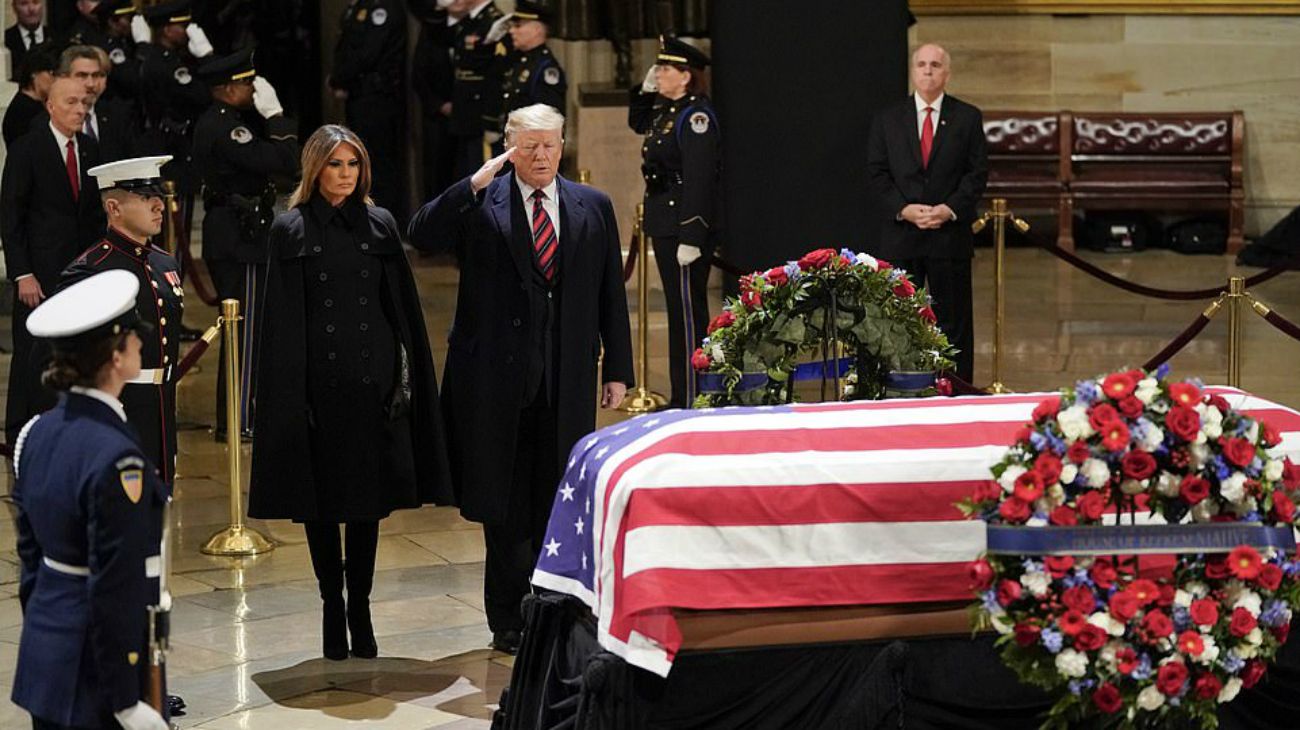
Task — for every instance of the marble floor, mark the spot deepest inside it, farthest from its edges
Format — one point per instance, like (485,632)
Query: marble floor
(246,636)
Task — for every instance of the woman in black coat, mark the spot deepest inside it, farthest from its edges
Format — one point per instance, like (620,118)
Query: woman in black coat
(347,421)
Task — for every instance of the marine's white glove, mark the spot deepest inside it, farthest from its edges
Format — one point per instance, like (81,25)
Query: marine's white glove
(499,28)
(265,99)
(650,84)
(140,30)
(686,255)
(140,717)
(199,45)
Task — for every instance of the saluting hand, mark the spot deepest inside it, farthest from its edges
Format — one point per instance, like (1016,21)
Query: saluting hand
(499,28)
(489,170)
(140,32)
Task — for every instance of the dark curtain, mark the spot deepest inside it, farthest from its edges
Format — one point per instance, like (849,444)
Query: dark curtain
(590,19)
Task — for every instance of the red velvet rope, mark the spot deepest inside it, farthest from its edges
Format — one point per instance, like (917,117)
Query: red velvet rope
(633,252)
(1284,325)
(1178,343)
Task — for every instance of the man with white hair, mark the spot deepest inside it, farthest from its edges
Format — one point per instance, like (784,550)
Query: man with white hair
(541,292)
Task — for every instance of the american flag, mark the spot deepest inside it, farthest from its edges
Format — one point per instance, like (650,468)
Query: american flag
(803,505)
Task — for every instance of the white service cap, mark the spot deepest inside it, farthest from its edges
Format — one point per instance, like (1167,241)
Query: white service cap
(101,305)
(137,174)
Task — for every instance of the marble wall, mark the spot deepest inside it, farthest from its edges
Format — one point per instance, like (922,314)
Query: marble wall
(1144,63)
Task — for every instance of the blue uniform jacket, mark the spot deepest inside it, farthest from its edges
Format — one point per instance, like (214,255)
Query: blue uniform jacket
(89,503)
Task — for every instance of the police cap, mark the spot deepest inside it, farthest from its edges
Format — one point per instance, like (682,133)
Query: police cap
(115,9)
(225,69)
(526,10)
(678,52)
(177,11)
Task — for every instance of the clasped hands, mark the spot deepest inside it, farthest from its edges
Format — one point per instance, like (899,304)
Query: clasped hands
(927,217)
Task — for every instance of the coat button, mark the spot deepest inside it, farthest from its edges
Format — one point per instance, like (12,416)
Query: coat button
(324,276)
(329,302)
(363,301)
(364,326)
(365,354)
(365,379)
(166,359)
(164,340)
(332,356)
(523,286)
(315,249)
(365,273)
(160,302)
(329,328)
(510,359)
(365,247)
(516,322)
(162,321)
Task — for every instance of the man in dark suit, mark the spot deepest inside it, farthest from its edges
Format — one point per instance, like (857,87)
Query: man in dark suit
(928,164)
(108,123)
(49,213)
(28,31)
(34,80)
(541,292)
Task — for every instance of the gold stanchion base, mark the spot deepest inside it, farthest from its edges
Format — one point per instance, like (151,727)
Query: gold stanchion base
(237,542)
(997,388)
(643,401)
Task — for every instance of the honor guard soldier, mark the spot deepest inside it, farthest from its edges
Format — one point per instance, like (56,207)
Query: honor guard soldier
(88,28)
(133,202)
(90,521)
(477,51)
(369,74)
(680,161)
(534,75)
(124,80)
(236,167)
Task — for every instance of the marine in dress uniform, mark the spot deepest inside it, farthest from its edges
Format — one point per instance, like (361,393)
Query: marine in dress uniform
(90,520)
(477,51)
(237,167)
(680,161)
(134,215)
(533,74)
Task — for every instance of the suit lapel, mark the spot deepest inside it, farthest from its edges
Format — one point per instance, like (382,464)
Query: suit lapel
(941,125)
(913,134)
(504,199)
(85,160)
(573,223)
(60,156)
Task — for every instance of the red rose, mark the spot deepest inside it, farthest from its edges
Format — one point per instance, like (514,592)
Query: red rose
(1242,622)
(1138,465)
(1124,605)
(1058,565)
(981,574)
(1244,562)
(1269,435)
(1170,678)
(1115,437)
(883,265)
(1146,591)
(1216,567)
(699,360)
(943,386)
(1290,474)
(1023,433)
(1252,673)
(1089,638)
(1270,576)
(1204,611)
(776,276)
(1008,591)
(904,288)
(1282,631)
(1049,467)
(751,299)
(1014,510)
(1183,422)
(1167,595)
(927,314)
(1219,402)
(1047,409)
(1107,698)
(1239,451)
(1029,486)
(1156,625)
(1131,407)
(1078,452)
(1063,516)
(726,319)
(1091,506)
(1102,415)
(1207,686)
(1118,385)
(1283,507)
(1185,394)
(1072,622)
(1027,635)
(1079,598)
(1194,489)
(817,259)
(1126,659)
(987,490)
(1191,643)
(1103,573)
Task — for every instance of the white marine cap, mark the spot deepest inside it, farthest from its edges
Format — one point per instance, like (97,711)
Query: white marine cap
(137,174)
(99,306)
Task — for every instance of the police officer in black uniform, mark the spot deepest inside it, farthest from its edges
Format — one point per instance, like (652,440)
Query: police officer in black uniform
(90,521)
(133,202)
(681,160)
(478,49)
(432,77)
(533,74)
(237,167)
(369,74)
(124,78)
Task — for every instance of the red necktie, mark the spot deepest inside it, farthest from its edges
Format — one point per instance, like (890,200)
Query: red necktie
(927,138)
(73,178)
(544,241)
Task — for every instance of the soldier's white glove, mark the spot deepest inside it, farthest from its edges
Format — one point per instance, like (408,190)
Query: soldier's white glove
(499,28)
(140,30)
(492,137)
(140,717)
(686,255)
(650,84)
(265,99)
(199,45)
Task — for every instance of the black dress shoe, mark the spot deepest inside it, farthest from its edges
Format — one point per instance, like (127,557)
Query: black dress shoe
(175,706)
(334,630)
(506,642)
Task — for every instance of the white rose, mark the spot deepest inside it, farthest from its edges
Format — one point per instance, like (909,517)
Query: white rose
(1153,437)
(1234,487)
(1147,390)
(1211,651)
(1205,510)
(1211,431)
(1096,472)
(1247,651)
(1160,406)
(1230,690)
(1252,433)
(1071,663)
(1167,485)
(718,354)
(1255,637)
(868,261)
(1069,473)
(1150,698)
(1183,598)
(1273,470)
(1132,486)
(1200,455)
(1107,623)
(1197,589)
(1009,477)
(1055,496)
(1074,423)
(1036,583)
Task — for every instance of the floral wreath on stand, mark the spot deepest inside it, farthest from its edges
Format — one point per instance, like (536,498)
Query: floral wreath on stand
(826,301)
(1130,644)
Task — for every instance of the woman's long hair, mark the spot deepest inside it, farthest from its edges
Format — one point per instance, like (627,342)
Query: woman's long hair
(316,154)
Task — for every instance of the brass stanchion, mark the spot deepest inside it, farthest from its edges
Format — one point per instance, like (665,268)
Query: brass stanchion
(237,540)
(170,208)
(642,399)
(1236,296)
(584,176)
(999,214)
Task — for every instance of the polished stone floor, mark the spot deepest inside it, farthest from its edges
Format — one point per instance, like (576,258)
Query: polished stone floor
(246,634)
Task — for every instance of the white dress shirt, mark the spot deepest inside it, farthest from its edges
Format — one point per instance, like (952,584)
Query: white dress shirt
(551,204)
(31,37)
(936,105)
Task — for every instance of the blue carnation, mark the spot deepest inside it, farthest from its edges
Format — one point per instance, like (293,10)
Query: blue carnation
(1290,568)
(846,253)
(1032,566)
(1162,371)
(1232,663)
(1057,443)
(1251,516)
(1143,669)
(1221,469)
(1051,639)
(792,270)
(1182,618)
(1087,392)
(1038,441)
(1274,613)
(990,600)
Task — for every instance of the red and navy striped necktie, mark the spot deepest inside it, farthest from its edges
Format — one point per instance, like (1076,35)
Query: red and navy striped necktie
(545,242)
